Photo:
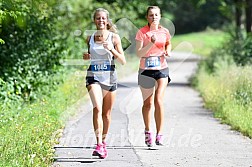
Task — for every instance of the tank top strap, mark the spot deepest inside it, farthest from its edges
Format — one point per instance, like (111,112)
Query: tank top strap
(91,40)
(110,37)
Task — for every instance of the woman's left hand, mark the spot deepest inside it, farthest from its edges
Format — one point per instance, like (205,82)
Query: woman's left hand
(167,53)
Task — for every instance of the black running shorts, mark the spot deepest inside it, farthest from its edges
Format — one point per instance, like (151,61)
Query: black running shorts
(148,78)
(90,80)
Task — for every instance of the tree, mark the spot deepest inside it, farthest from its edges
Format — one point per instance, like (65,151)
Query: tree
(248,9)
(195,15)
(238,13)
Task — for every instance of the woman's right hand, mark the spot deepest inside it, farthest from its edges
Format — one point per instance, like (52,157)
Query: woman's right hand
(153,38)
(86,56)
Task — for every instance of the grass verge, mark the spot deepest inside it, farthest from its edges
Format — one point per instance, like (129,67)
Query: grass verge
(228,93)
(27,132)
(202,42)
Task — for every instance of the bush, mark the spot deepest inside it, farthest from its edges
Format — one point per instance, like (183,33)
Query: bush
(31,49)
(237,49)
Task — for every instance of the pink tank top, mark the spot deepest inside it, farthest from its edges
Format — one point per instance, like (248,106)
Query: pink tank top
(154,59)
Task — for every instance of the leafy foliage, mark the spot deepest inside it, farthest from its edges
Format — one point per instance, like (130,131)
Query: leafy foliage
(236,49)
(191,16)
(31,48)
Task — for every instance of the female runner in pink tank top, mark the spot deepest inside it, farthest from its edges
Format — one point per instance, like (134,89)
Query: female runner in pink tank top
(153,45)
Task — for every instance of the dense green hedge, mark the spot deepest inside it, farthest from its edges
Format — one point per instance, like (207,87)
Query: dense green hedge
(31,50)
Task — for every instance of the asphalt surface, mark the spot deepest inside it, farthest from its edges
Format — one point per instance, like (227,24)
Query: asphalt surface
(192,136)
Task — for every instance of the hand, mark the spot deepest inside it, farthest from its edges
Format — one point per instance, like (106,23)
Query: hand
(153,38)
(107,46)
(167,53)
(86,56)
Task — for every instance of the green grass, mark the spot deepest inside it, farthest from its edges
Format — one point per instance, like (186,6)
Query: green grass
(202,42)
(27,133)
(228,93)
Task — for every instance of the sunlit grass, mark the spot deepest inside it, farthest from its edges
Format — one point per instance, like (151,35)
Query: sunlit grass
(27,133)
(228,93)
(202,42)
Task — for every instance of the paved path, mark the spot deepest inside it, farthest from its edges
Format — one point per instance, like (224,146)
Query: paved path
(192,136)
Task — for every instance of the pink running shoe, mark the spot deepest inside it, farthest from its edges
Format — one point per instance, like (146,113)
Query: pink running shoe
(105,149)
(148,138)
(159,140)
(99,151)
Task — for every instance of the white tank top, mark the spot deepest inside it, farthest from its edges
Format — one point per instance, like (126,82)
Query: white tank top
(102,66)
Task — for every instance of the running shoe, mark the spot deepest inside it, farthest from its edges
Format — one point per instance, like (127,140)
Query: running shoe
(159,140)
(99,151)
(148,138)
(105,149)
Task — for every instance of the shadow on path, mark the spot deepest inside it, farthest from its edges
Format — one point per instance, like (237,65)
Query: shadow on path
(134,84)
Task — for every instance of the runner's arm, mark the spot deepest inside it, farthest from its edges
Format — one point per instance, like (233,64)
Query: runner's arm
(168,48)
(117,51)
(86,55)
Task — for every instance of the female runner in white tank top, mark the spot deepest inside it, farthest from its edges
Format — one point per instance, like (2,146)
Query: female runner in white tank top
(101,81)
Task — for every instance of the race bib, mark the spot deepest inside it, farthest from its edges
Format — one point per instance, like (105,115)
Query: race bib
(100,65)
(152,62)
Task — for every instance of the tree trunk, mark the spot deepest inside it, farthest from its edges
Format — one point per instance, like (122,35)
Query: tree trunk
(248,9)
(238,13)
